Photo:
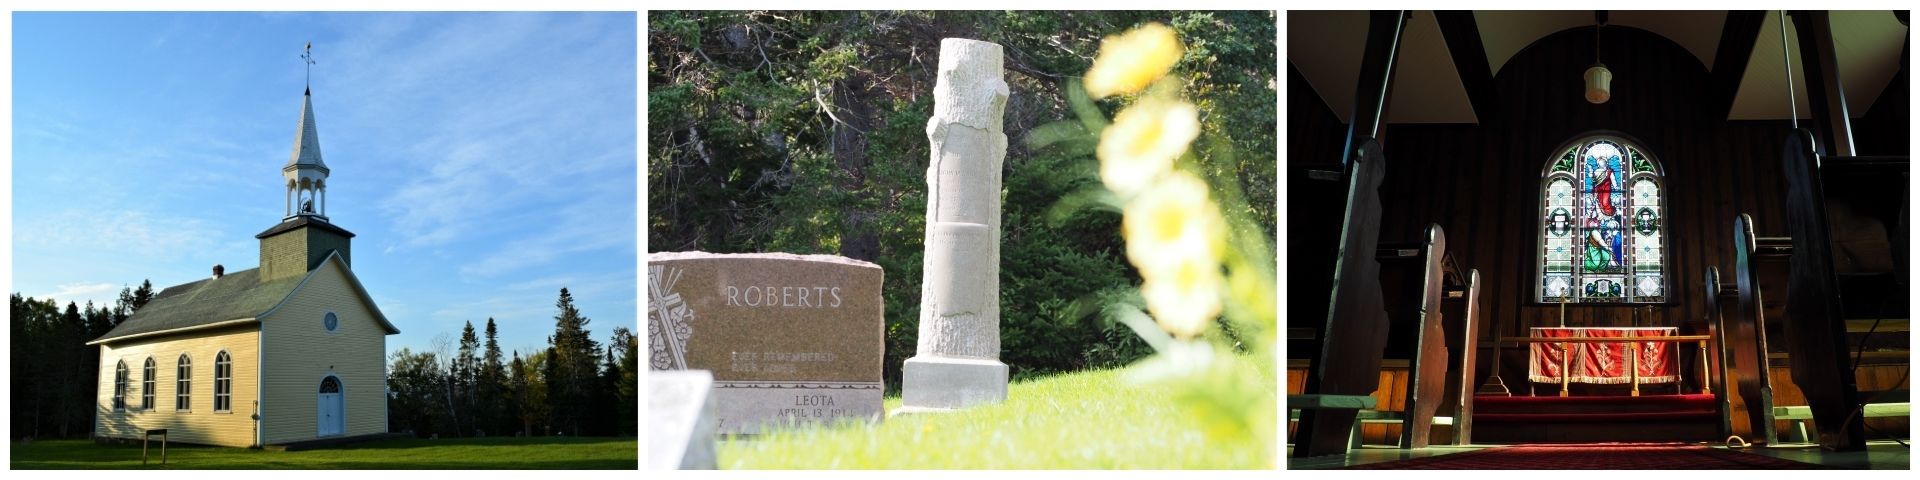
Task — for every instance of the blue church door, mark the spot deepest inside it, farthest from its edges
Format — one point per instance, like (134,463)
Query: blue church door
(332,418)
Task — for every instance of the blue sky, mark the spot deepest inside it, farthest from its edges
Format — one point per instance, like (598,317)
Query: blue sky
(484,160)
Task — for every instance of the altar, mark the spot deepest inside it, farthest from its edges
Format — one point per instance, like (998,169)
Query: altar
(1600,362)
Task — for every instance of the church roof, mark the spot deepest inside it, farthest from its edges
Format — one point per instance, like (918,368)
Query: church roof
(237,296)
(234,298)
(306,142)
(303,221)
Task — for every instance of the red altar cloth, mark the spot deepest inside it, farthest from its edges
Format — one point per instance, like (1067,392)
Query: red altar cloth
(1603,362)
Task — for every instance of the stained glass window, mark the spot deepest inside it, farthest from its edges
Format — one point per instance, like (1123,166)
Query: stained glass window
(1602,224)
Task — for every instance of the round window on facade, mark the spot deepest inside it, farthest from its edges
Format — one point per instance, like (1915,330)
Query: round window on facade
(333,322)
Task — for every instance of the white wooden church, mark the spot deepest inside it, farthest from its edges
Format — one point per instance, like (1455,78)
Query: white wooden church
(291,351)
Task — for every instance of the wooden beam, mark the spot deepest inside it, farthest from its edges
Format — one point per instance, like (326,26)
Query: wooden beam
(1737,37)
(1826,95)
(1469,53)
(1384,28)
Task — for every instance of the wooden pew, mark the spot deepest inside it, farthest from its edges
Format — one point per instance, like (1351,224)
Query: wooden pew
(1413,281)
(1462,317)
(1743,335)
(1354,335)
(1819,354)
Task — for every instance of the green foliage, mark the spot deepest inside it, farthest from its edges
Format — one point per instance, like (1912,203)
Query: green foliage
(416,389)
(54,372)
(573,387)
(510,453)
(804,132)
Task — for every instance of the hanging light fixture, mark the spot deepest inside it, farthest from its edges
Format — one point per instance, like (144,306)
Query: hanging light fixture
(1599,79)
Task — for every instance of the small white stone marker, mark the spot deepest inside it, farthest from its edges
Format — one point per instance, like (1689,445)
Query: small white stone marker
(680,420)
(957,362)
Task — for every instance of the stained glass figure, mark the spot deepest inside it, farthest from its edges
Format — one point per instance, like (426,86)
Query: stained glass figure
(1601,224)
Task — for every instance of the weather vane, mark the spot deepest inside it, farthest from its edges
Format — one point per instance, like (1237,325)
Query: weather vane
(308,57)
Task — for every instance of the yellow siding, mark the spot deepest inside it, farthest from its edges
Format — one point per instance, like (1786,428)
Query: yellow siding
(300,353)
(200,424)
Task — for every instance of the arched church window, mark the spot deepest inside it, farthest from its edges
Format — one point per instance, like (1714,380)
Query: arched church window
(183,384)
(120,386)
(146,385)
(222,382)
(1602,224)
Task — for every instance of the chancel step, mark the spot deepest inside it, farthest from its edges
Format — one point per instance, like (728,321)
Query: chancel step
(1499,419)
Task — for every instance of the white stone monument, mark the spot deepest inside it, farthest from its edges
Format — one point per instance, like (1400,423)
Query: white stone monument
(957,362)
(680,420)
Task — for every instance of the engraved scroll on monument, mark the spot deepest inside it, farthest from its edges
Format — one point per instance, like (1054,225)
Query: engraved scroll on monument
(790,339)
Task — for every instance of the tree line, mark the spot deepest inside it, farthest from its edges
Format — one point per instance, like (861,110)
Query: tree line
(55,374)
(575,386)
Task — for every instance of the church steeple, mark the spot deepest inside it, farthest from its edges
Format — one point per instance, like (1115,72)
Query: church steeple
(305,172)
(304,238)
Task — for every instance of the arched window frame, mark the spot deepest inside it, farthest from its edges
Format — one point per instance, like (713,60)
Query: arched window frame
(1646,167)
(223,382)
(183,384)
(146,384)
(120,386)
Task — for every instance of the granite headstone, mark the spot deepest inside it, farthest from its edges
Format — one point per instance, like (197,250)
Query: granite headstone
(790,339)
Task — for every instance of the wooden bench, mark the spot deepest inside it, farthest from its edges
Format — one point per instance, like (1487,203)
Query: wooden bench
(1413,279)
(148,438)
(1432,308)
(1349,335)
(1742,333)
(1894,404)
(1364,412)
(1819,354)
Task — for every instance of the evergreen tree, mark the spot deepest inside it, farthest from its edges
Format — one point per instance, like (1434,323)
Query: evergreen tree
(465,368)
(123,307)
(620,387)
(141,296)
(25,387)
(491,388)
(69,354)
(572,371)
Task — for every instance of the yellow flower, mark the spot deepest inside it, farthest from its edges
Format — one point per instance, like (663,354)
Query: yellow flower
(1185,299)
(1130,61)
(1176,237)
(1143,142)
(1175,215)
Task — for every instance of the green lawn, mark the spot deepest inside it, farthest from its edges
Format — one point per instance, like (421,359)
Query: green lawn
(464,453)
(1082,420)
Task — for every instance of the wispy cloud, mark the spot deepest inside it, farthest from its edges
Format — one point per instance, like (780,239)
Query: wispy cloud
(138,232)
(80,293)
(487,150)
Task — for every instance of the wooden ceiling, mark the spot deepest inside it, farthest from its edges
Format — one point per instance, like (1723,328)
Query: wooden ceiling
(1326,47)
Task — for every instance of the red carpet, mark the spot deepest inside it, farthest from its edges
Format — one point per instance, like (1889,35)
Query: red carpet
(1598,456)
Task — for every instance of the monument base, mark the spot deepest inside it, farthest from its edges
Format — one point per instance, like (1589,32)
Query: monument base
(934,384)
